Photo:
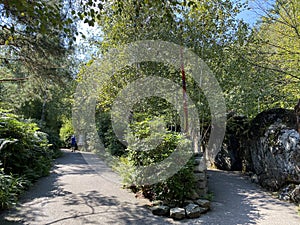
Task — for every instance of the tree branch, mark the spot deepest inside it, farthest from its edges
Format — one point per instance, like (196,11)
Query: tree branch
(272,69)
(13,79)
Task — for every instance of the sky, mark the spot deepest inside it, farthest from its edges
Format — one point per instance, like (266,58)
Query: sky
(256,10)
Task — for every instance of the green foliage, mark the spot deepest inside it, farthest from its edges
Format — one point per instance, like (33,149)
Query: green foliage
(54,141)
(209,196)
(34,58)
(66,131)
(24,156)
(37,14)
(107,135)
(208,28)
(141,153)
(48,108)
(276,51)
(123,166)
(24,150)
(10,189)
(176,189)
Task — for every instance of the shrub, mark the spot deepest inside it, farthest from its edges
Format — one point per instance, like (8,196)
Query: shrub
(23,149)
(139,153)
(66,132)
(54,142)
(10,189)
(24,156)
(107,134)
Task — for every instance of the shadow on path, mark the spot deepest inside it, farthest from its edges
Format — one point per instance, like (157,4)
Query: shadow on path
(82,190)
(238,201)
(77,193)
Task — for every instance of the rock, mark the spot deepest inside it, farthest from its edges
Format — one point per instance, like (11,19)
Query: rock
(187,202)
(201,192)
(232,156)
(295,194)
(157,202)
(177,213)
(160,210)
(192,211)
(203,203)
(200,175)
(254,179)
(290,193)
(201,184)
(275,148)
(203,210)
(199,164)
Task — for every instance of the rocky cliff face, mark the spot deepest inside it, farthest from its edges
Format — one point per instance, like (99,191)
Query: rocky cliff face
(274,146)
(268,147)
(276,156)
(232,154)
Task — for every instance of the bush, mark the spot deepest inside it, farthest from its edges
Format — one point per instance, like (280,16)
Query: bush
(24,152)
(10,188)
(24,156)
(54,142)
(139,153)
(66,131)
(107,135)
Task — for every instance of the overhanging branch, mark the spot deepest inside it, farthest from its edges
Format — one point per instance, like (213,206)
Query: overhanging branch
(13,79)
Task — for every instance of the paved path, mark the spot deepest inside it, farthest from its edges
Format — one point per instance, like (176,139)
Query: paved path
(82,190)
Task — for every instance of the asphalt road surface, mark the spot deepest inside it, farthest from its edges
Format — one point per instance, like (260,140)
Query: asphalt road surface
(82,190)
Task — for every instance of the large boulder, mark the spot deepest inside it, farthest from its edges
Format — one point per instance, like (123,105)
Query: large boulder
(232,154)
(290,193)
(274,145)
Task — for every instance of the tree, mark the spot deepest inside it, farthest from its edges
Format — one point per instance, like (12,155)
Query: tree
(277,49)
(206,27)
(35,49)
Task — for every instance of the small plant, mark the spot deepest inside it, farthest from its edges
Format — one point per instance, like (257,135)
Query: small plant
(125,168)
(209,196)
(10,189)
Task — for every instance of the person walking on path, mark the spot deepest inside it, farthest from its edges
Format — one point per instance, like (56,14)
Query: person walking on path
(73,143)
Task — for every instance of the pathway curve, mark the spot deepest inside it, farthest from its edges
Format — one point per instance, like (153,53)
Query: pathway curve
(81,190)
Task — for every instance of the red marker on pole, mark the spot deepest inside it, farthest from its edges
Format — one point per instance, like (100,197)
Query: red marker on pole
(185,108)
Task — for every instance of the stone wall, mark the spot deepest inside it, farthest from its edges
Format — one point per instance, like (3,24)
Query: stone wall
(195,205)
(200,173)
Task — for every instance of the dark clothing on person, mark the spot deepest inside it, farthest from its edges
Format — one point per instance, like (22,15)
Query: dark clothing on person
(73,143)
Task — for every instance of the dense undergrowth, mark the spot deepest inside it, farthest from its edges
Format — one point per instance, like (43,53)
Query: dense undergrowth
(25,155)
(149,143)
